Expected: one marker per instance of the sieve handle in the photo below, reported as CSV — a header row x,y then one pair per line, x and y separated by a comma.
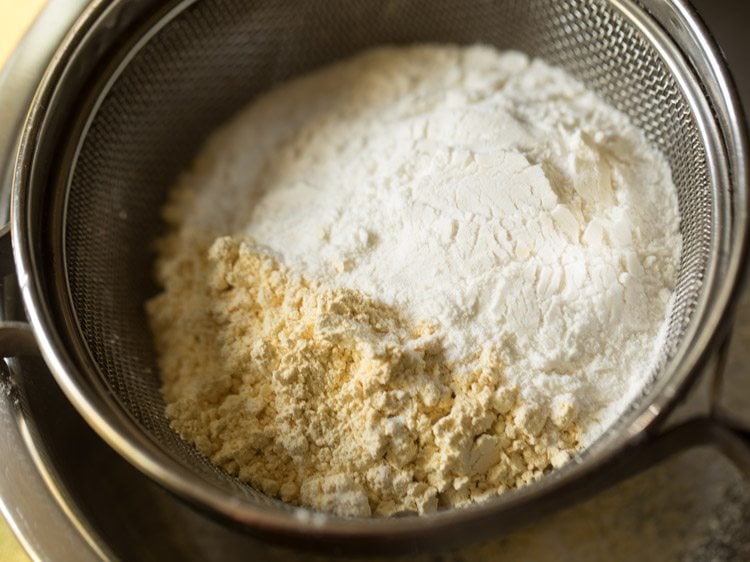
x,y
16,338
714,427
710,424
733,440
730,434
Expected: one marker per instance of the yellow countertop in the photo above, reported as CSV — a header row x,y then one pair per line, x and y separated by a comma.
x,y
15,17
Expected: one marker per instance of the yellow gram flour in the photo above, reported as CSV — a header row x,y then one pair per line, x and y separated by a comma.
x,y
329,399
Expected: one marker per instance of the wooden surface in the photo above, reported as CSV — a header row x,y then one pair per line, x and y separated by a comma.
x,y
15,17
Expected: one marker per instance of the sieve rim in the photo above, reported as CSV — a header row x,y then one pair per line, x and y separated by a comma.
x,y
124,437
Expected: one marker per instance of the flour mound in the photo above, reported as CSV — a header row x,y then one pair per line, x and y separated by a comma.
x,y
484,195
329,399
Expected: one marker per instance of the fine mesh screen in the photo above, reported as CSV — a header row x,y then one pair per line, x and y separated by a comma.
x,y
217,55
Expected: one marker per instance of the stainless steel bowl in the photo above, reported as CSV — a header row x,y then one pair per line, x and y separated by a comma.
x,y
134,88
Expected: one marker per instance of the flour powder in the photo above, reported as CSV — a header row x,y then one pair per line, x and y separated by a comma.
x,y
416,278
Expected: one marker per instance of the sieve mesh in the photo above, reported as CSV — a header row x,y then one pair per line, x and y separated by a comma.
x,y
216,55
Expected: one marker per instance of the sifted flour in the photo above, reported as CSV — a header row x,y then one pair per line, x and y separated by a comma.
x,y
518,236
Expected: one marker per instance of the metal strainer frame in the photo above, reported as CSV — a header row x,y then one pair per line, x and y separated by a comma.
x,y
85,67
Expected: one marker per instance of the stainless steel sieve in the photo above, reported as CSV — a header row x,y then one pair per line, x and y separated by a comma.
x,y
136,86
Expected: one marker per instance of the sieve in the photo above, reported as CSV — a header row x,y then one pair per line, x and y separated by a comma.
x,y
136,86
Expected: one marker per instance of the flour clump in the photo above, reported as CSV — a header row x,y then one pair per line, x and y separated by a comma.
x,y
413,279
